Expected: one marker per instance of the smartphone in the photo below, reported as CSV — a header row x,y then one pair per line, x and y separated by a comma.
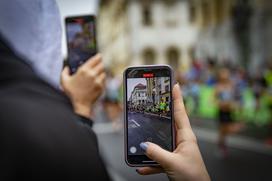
x,y
148,111
81,40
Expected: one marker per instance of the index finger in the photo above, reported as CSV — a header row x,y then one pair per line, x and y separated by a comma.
x,y
93,61
181,117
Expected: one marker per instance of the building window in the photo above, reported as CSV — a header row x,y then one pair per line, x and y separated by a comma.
x,y
170,2
192,9
147,15
219,10
171,19
173,57
149,56
206,12
167,88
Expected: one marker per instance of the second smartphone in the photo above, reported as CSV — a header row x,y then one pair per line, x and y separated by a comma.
x,y
81,39
148,111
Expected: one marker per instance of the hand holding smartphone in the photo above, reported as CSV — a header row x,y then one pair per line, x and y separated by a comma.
x,y
148,111
81,40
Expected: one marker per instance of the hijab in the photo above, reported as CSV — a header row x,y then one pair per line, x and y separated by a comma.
x,y
32,30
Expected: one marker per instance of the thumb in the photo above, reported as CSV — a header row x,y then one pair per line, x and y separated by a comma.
x,y
65,75
158,154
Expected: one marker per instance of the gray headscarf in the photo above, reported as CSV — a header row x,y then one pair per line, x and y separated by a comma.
x,y
32,29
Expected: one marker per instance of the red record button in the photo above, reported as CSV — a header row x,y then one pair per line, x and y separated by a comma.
x,y
148,75
79,20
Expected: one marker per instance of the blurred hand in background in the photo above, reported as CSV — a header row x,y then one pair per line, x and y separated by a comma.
x,y
85,86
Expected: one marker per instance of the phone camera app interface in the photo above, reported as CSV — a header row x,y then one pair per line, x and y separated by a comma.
x,y
81,41
148,111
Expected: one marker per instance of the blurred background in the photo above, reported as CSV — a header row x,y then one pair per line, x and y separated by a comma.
x,y
197,38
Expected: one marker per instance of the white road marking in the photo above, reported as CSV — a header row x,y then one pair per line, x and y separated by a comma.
x,y
137,124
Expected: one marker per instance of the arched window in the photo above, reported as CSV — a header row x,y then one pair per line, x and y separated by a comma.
x,y
173,57
149,56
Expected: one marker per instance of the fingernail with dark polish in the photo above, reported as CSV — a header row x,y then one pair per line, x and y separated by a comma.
x,y
143,146
137,171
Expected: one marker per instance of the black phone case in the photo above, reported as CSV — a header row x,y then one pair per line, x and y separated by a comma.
x,y
125,112
70,19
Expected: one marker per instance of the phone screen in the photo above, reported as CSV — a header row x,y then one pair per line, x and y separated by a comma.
x,y
148,110
81,40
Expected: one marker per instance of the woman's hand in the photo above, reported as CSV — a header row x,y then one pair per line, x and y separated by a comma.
x,y
185,163
85,86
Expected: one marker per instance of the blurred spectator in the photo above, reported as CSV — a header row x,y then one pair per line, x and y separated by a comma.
x,y
112,99
210,72
240,85
193,78
268,78
258,88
